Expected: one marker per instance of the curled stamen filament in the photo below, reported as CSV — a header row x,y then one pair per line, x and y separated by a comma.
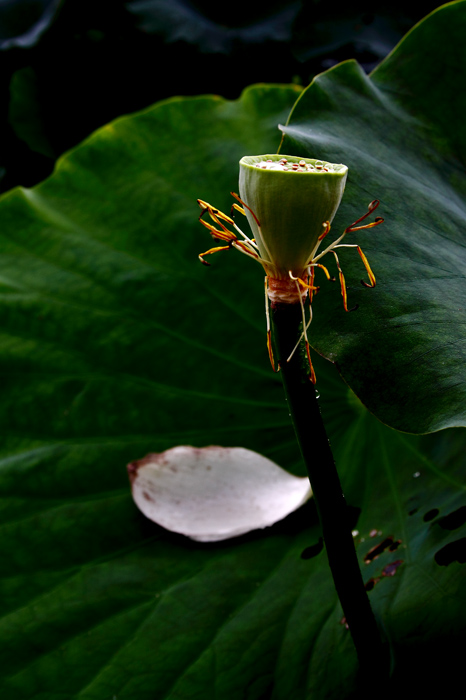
x,y
269,331
275,289
305,327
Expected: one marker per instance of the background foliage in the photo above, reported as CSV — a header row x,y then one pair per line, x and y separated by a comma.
x,y
115,342
70,66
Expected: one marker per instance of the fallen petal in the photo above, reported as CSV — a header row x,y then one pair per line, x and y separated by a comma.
x,y
214,493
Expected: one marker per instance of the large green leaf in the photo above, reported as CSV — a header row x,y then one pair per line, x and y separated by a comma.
x,y
114,343
401,133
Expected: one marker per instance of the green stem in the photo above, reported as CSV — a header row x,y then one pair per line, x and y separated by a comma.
x,y
327,491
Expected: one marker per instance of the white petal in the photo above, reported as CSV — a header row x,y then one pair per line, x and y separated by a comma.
x,y
214,493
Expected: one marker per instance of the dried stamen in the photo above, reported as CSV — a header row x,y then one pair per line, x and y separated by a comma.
x,y
294,288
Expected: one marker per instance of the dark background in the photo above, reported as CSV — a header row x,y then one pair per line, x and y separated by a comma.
x,y
70,66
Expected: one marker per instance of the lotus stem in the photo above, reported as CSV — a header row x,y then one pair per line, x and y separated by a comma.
x,y
327,490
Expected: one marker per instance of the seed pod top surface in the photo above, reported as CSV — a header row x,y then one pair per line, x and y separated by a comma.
x,y
291,199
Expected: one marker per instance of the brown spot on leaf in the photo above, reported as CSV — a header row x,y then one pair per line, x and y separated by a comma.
x,y
388,543
390,569
371,583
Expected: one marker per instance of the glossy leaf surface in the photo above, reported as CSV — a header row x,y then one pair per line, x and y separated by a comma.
x,y
401,133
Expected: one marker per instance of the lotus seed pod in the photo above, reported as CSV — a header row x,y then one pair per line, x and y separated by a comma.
x,y
291,199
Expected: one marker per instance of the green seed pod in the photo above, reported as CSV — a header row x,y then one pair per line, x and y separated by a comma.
x,y
291,199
